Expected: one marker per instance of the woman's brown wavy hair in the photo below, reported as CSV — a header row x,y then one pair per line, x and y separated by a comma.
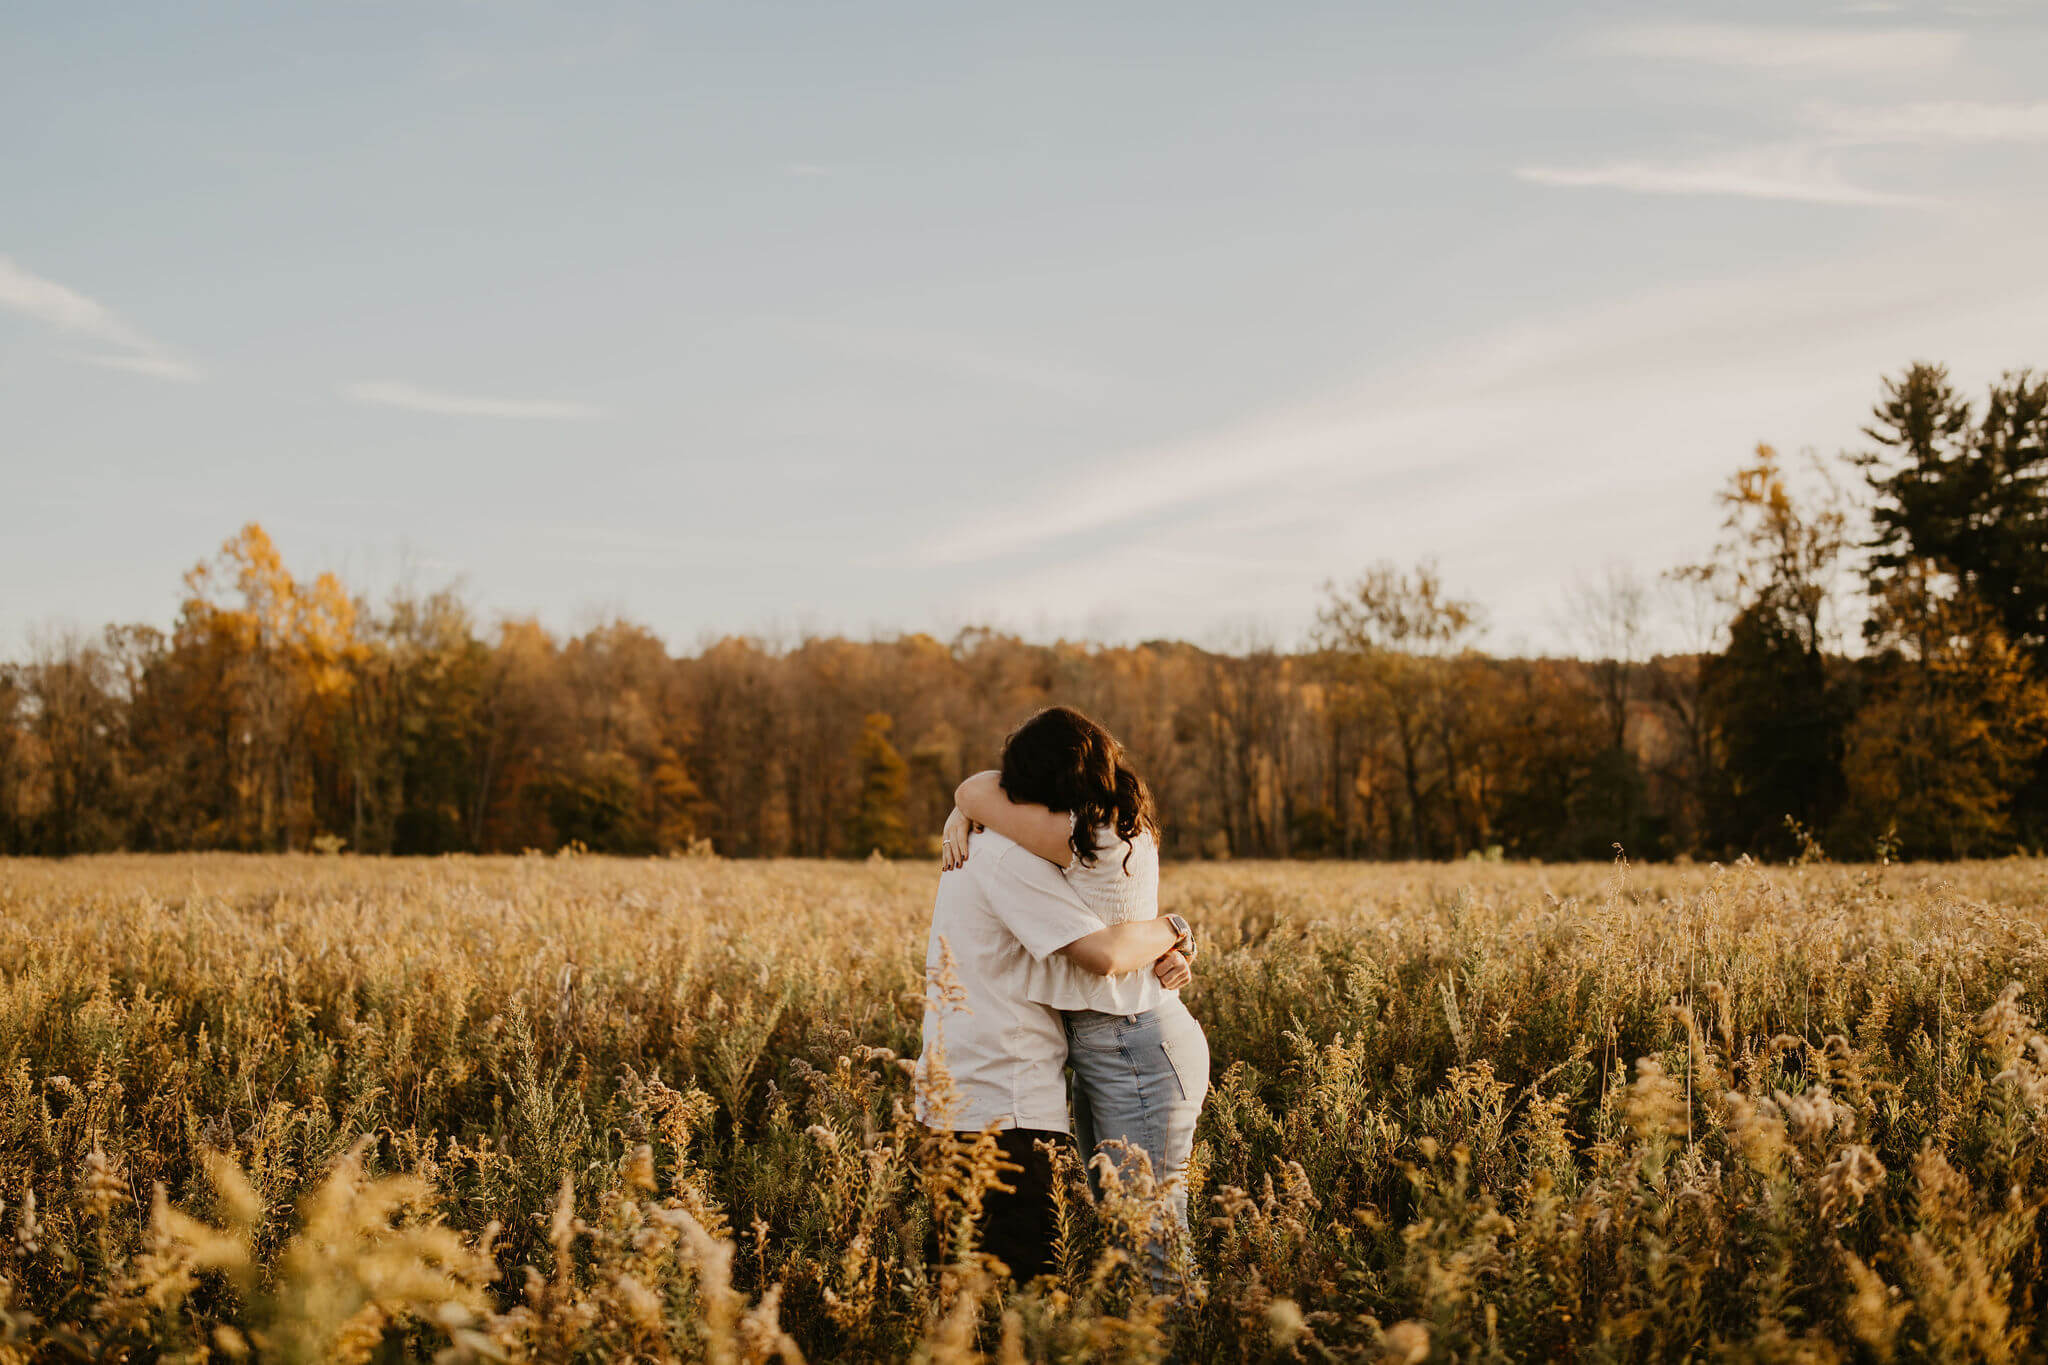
x,y
1062,760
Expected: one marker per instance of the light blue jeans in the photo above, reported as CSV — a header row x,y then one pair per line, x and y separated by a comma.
x,y
1141,1078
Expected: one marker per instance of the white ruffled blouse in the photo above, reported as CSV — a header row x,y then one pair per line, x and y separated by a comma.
x,y
1116,893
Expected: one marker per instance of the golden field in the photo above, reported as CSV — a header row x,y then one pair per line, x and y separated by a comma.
x,y
309,1109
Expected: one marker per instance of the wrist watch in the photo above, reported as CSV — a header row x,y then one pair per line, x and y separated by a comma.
x,y
1185,937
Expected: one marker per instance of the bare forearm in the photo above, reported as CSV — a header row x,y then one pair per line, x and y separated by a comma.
x,y
981,798
1129,947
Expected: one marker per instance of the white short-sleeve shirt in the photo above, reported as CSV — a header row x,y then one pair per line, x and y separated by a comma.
x,y
1000,913
1121,884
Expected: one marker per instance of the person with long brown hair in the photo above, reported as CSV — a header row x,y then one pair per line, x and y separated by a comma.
x,y
1141,1062
992,1059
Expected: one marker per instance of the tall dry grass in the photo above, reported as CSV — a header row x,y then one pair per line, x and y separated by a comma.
x,y
571,1109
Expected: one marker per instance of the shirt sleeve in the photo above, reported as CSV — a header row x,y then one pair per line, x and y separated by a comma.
x,y
1034,903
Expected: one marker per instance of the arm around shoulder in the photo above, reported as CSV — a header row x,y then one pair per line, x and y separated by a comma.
x,y
1047,833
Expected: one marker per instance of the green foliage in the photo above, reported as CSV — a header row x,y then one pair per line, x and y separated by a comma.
x,y
1778,709
1966,489
1960,519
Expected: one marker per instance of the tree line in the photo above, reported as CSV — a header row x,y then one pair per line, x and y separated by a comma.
x,y
283,714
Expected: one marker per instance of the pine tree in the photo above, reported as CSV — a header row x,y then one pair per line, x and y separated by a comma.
x,y
1954,717
1965,492
877,825
1968,491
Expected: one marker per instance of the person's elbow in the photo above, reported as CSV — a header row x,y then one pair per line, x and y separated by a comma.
x,y
1091,955
965,793
973,795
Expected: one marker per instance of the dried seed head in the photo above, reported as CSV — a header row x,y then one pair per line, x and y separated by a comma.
x,y
1406,1343
1844,1182
640,1169
101,1187
1285,1322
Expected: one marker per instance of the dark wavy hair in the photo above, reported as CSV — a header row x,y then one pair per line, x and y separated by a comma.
x,y
1064,761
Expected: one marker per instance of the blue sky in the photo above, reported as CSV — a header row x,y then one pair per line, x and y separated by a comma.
x,y
1120,321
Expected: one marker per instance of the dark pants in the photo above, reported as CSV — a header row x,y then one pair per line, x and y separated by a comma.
x,y
1018,1228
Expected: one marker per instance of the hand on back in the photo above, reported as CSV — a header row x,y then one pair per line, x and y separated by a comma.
x,y
953,840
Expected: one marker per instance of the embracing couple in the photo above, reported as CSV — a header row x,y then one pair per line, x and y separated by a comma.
x,y
1048,909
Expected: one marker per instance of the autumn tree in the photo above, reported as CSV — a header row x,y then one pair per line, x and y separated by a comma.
x,y
524,725
1609,618
414,715
735,691
1549,766
76,733
266,662
620,780
1676,746
281,713
1774,703
1953,717
824,734
877,821
1398,635
1247,699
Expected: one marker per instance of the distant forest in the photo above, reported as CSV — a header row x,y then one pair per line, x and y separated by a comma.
x,y
281,714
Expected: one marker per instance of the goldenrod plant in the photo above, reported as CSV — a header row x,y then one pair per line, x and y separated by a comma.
x,y
577,1109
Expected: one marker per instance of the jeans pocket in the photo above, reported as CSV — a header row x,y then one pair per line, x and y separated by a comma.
x,y
1189,1088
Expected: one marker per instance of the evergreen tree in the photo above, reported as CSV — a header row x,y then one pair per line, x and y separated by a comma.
x,y
1777,713
1954,717
877,822
1968,492
1967,495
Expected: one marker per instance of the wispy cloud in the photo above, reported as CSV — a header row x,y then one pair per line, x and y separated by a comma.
x,y
941,353
1799,172
75,315
157,366
1409,461
1756,47
395,393
1943,121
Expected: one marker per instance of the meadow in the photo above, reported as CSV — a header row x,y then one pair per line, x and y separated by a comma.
x,y
548,1109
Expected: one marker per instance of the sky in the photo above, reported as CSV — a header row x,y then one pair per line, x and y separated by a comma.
x,y
1118,322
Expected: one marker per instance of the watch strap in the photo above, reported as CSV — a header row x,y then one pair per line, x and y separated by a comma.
x,y
1184,937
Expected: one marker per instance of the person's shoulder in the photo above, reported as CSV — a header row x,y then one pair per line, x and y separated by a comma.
x,y
989,839
1108,842
990,849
